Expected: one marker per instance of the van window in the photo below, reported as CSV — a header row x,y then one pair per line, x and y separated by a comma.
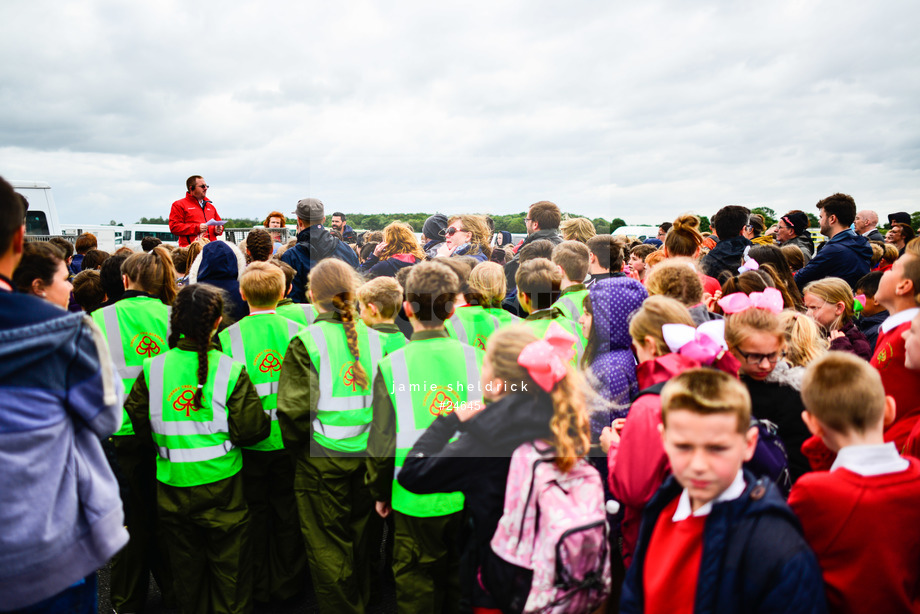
x,y
36,223
127,235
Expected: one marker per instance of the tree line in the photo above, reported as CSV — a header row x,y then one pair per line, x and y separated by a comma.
x,y
513,222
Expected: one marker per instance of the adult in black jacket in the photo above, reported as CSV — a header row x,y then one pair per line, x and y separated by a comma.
x,y
728,253
542,222
314,243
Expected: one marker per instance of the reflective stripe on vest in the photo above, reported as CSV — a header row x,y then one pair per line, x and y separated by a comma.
x,y
338,434
406,436
146,313
326,401
264,339
200,451
458,325
116,346
571,309
236,340
413,418
266,388
459,329
218,422
308,312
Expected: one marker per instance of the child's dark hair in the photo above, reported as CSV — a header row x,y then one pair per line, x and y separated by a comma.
x,y
148,243
64,245
94,259
194,313
154,272
868,284
40,260
88,291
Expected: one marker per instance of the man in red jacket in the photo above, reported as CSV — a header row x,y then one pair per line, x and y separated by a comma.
x,y
189,216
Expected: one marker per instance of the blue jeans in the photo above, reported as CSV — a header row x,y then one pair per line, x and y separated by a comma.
x,y
79,598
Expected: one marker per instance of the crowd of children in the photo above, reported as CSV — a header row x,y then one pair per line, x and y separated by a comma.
x,y
615,434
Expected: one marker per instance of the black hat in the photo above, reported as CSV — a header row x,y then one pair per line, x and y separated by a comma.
x,y
901,216
798,221
435,226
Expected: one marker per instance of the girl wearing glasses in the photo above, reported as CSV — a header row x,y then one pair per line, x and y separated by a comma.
x,y
756,337
467,235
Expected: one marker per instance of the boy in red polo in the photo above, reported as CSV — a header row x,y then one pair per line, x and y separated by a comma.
x,y
897,292
862,517
714,538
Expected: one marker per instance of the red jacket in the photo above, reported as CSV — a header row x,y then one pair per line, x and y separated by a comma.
x,y
637,464
186,217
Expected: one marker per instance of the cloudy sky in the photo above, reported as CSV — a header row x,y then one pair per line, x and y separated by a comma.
x,y
638,110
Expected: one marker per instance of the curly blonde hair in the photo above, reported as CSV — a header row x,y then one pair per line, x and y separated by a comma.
x,y
570,424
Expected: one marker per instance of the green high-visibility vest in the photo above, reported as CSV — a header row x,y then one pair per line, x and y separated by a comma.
x,y
259,341
572,305
504,316
136,328
393,341
193,444
540,326
472,325
302,313
343,410
428,378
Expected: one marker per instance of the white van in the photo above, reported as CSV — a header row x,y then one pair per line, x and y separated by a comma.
x,y
108,238
637,232
133,234
41,218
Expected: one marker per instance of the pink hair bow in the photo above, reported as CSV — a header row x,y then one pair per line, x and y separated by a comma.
x,y
770,299
703,344
749,265
546,359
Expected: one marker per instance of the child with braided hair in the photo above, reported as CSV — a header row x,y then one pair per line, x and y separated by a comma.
x,y
324,411
198,407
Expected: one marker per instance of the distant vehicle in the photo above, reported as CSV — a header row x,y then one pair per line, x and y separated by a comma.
x,y
135,233
108,238
42,218
637,232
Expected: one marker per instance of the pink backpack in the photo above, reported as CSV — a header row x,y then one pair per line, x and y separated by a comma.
x,y
553,532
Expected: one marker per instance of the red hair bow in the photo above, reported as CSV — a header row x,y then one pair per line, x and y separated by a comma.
x,y
546,359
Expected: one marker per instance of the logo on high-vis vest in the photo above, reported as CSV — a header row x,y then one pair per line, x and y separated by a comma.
x,y
347,373
441,400
147,344
183,399
480,342
267,361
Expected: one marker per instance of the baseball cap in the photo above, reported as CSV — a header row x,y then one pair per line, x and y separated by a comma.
x,y
311,210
